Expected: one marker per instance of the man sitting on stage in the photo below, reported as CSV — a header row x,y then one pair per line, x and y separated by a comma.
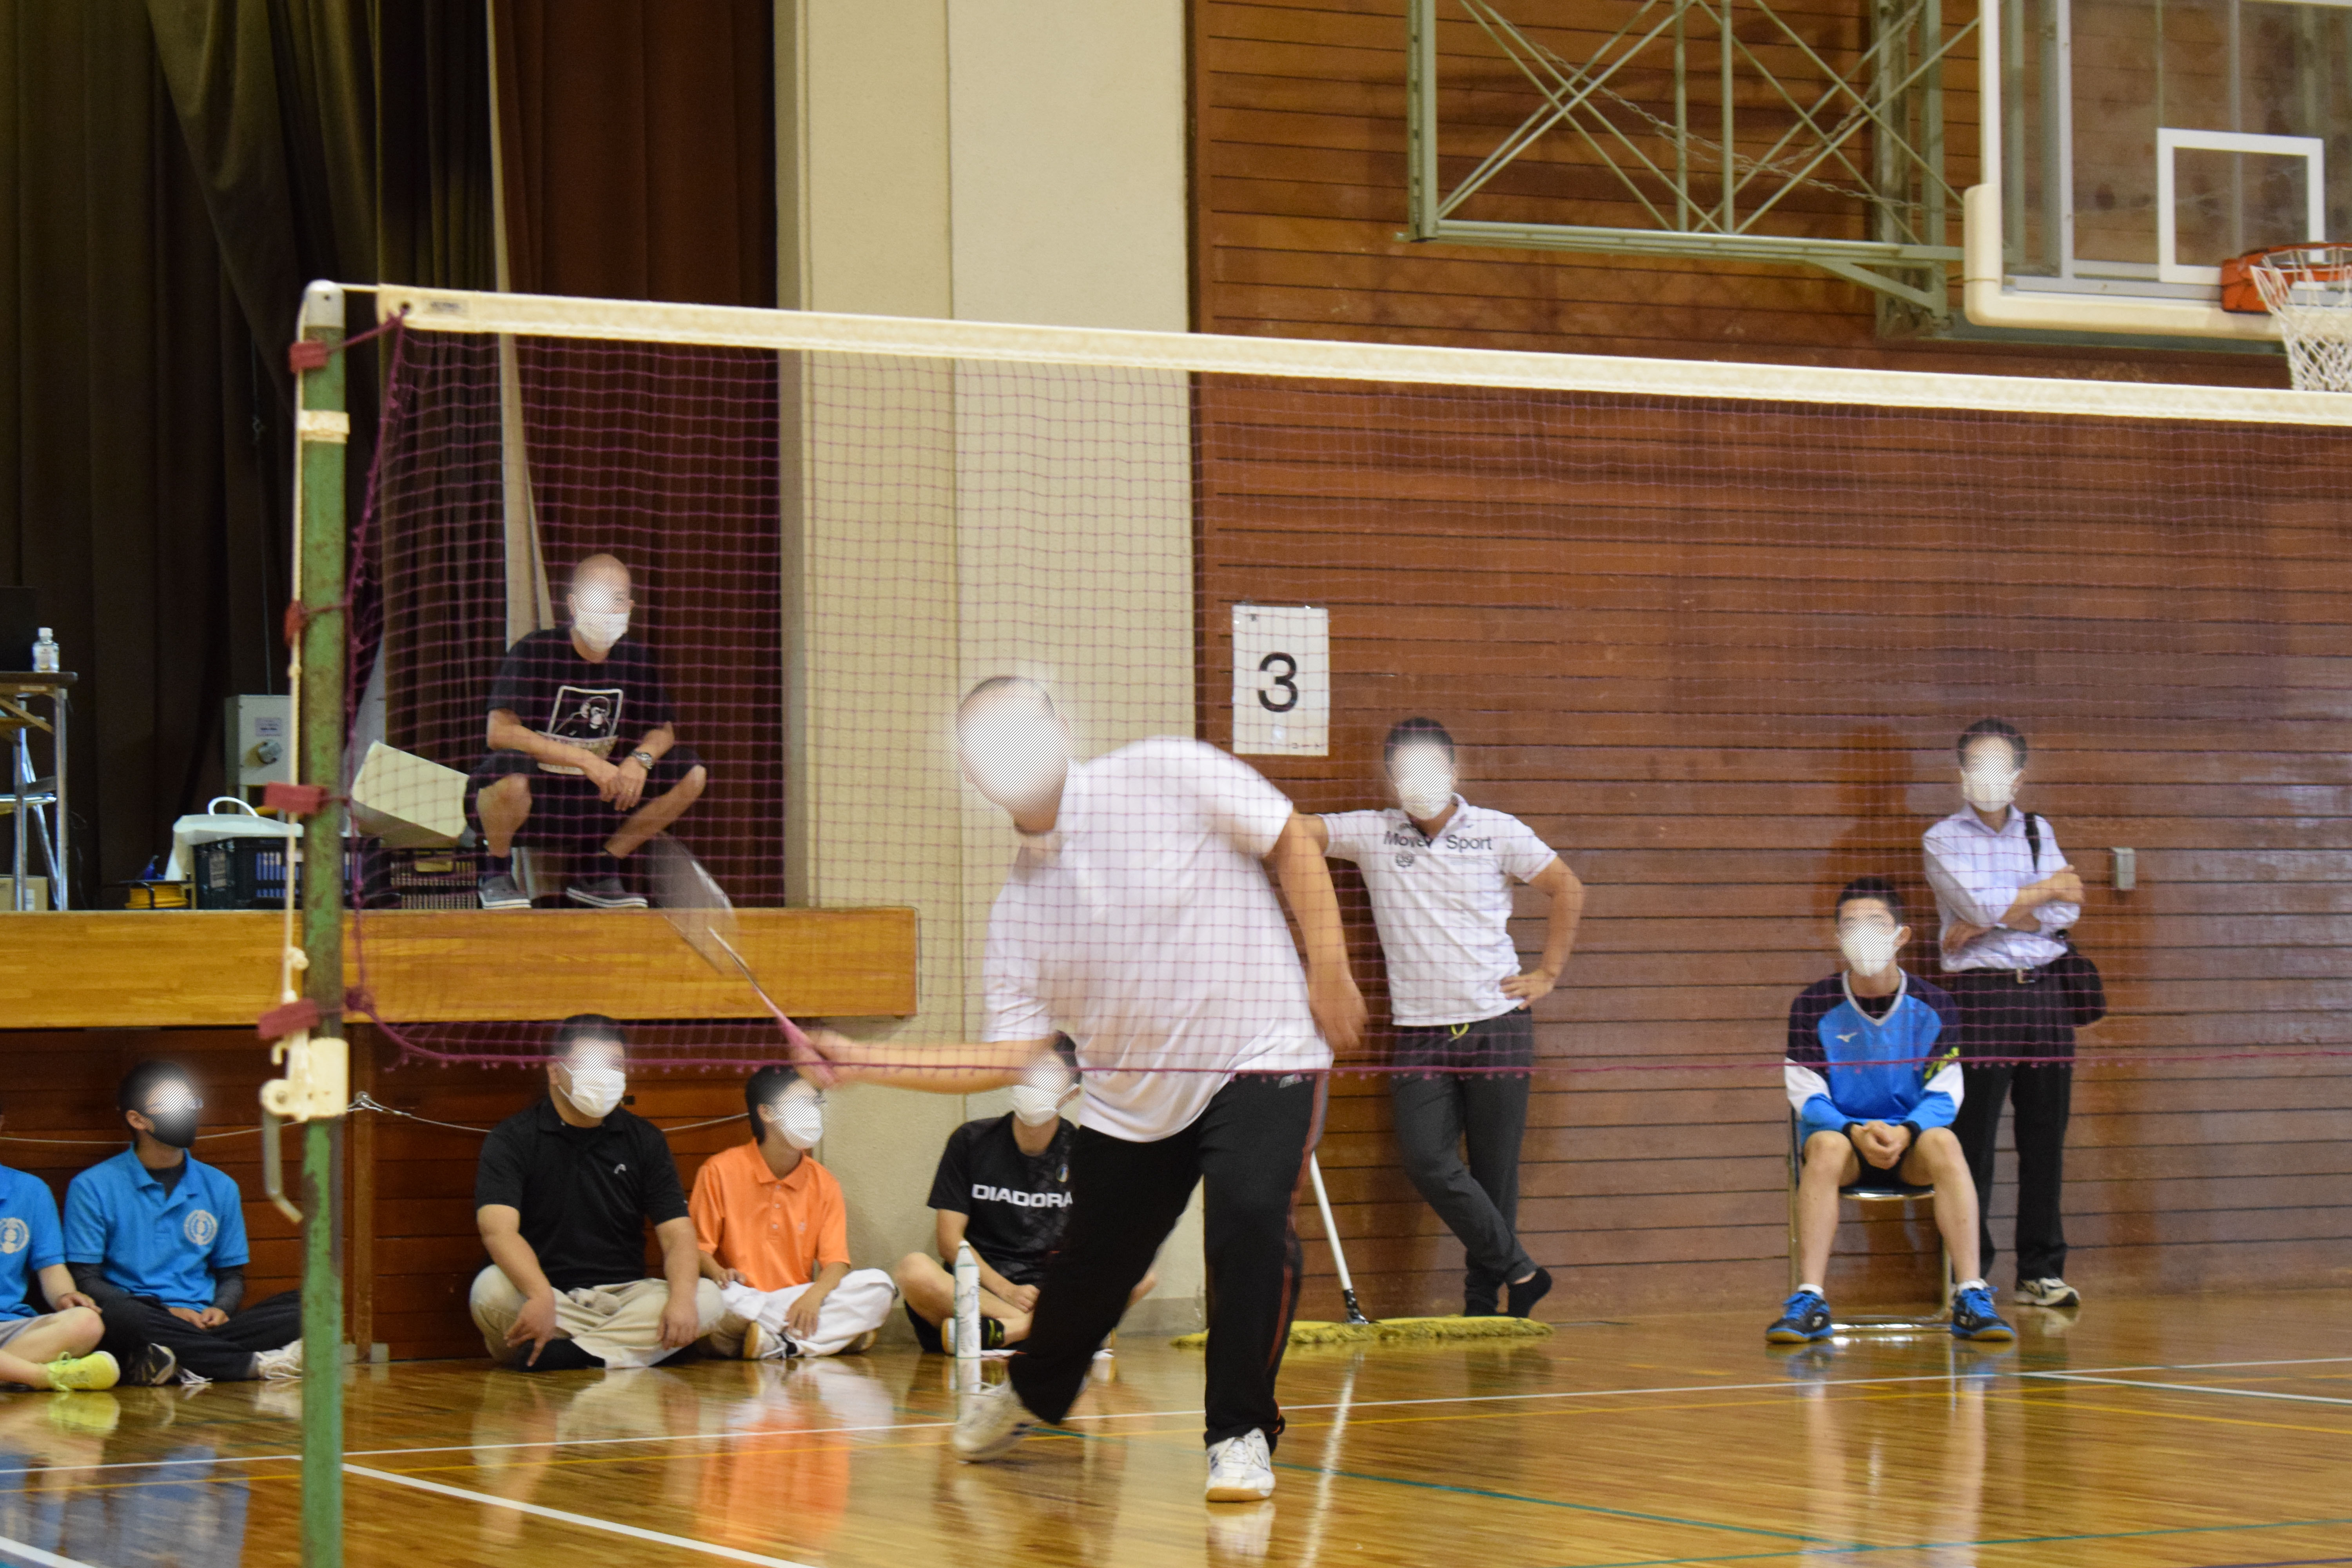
x,y
1004,1185
156,1237
774,1233
562,1197
1874,1073
563,703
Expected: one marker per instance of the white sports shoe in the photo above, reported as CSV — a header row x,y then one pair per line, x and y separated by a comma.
x,y
1241,1469
992,1421
2052,1291
283,1362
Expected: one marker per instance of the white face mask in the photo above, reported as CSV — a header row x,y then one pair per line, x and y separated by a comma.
x,y
1017,759
596,1090
1423,776
599,629
1868,948
1037,1099
799,1120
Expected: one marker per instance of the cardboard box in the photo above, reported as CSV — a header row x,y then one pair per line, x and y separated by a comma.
x,y
407,802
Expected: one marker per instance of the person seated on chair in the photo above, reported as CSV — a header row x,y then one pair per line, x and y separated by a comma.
x,y
1874,1073
774,1233
564,704
52,1349
1004,1185
156,1238
562,1197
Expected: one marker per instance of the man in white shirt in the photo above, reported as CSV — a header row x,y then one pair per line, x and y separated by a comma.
x,y
2007,897
1439,871
1138,920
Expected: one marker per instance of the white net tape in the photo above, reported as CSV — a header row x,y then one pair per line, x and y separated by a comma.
x,y
2309,289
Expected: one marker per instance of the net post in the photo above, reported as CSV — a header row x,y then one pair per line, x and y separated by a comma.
x,y
322,427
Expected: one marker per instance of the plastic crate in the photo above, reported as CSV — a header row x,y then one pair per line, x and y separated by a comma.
x,y
240,874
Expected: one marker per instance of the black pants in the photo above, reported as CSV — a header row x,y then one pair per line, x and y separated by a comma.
x,y
1441,1114
1250,1146
2000,1018
224,1354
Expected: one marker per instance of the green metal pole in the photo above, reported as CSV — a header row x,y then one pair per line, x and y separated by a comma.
x,y
322,427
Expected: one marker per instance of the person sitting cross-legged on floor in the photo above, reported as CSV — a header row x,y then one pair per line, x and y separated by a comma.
x,y
156,1237
59,1348
1004,1185
1874,1072
774,1233
562,1197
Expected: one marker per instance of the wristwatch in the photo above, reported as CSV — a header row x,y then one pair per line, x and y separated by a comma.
x,y
642,758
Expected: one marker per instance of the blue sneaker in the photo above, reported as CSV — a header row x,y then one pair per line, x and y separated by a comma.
x,y
1974,1319
1804,1316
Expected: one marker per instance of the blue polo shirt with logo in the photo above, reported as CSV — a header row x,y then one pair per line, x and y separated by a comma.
x,y
151,1244
29,1241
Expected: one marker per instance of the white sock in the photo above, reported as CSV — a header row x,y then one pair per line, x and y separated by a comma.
x,y
1816,1291
1969,1285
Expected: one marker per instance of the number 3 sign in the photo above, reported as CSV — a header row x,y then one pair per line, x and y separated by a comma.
x,y
1282,681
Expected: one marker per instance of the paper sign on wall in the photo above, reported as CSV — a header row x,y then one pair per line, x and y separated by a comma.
x,y
1282,681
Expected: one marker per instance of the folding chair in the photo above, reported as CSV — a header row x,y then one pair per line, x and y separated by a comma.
x,y
1866,1199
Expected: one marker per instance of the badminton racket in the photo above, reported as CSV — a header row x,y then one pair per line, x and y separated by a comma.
x,y
699,910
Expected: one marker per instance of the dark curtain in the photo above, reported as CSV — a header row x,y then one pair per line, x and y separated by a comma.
x,y
640,148
172,174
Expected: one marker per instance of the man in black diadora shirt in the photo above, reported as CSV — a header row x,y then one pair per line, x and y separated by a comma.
x,y
562,1197
580,732
1004,1185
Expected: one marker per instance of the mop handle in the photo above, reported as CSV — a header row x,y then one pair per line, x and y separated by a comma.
x,y
1330,1231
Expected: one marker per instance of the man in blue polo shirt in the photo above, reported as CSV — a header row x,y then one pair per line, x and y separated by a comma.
x,y
59,1348
156,1237
1874,1073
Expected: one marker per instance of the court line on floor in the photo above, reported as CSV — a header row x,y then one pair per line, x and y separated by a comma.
x,y
36,1556
1863,1549
1954,1376
562,1516
1807,1542
2190,1387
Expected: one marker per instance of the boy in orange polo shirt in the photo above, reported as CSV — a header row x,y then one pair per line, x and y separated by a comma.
x,y
774,1235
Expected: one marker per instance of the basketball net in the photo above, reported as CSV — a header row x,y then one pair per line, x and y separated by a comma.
x,y
2308,287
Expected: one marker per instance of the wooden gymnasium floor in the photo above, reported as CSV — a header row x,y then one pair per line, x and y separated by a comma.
x,y
2191,1432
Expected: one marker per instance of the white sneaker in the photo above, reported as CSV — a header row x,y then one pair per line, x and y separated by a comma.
x,y
286,1362
992,1421
1241,1469
2052,1291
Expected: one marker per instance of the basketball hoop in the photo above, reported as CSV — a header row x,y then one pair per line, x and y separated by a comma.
x,y
2309,289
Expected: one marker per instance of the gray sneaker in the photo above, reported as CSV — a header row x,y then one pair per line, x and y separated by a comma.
x,y
606,893
992,1421
500,893
2052,1291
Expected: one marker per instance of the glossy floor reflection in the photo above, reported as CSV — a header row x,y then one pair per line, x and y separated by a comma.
x,y
2202,1432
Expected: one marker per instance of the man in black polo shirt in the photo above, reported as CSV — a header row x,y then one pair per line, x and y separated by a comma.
x,y
563,1196
584,747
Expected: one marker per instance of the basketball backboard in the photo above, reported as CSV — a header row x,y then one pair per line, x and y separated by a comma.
x,y
2132,147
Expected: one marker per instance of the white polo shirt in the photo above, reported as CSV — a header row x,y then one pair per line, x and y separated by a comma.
x,y
1144,927
1443,905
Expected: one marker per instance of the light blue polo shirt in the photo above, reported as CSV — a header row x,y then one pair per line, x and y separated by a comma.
x,y
29,1241
151,1244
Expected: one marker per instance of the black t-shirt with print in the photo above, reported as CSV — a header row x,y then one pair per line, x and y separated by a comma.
x,y
1017,1203
604,708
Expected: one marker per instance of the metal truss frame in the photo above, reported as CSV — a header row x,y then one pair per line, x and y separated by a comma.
x,y
1874,134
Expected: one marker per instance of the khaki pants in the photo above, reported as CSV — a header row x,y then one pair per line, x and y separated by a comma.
x,y
620,1325
858,1304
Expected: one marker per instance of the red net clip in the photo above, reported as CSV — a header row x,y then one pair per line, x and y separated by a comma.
x,y
295,800
306,355
288,1019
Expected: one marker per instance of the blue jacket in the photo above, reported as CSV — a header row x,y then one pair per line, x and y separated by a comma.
x,y
1845,1066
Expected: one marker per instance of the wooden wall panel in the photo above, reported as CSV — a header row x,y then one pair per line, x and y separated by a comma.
x,y
1299,181
1716,657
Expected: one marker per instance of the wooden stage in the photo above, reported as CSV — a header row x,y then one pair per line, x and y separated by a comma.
x,y
2184,1432
187,969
